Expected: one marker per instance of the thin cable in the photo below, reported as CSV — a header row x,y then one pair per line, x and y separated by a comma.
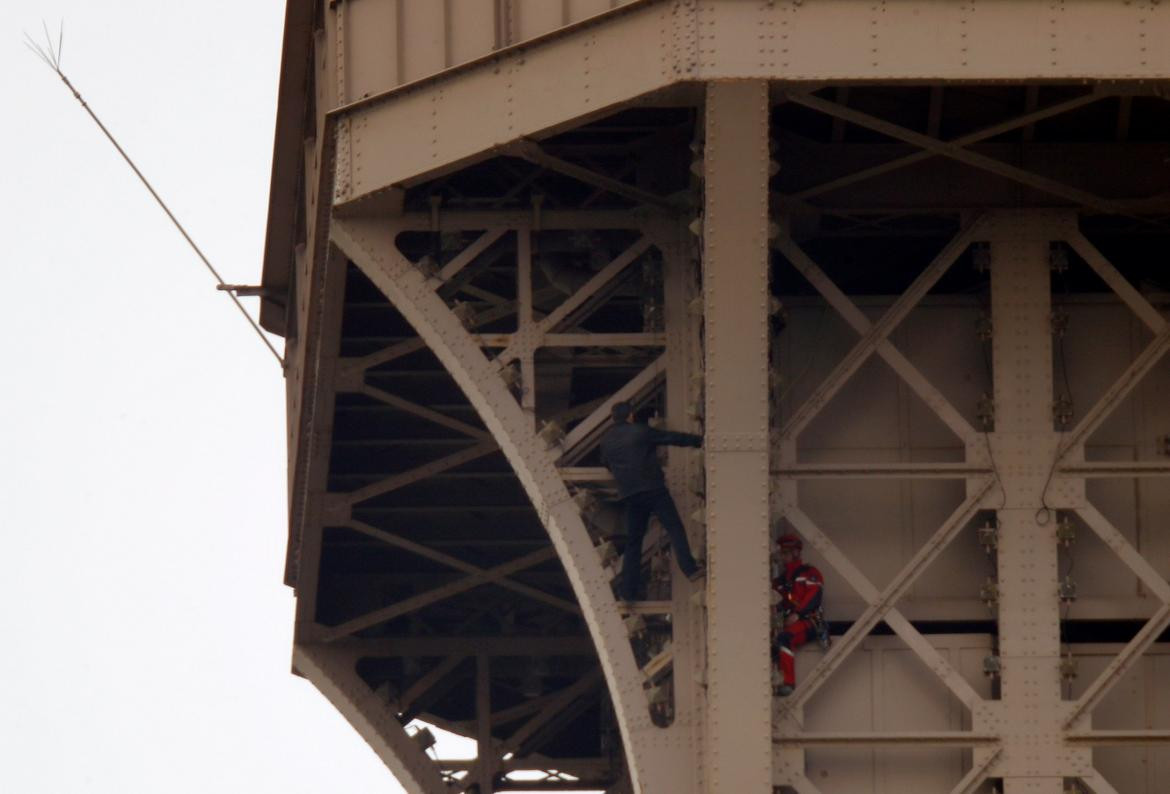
x,y
52,58
1044,512
985,344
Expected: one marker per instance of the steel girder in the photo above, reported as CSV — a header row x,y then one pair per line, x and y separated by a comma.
x,y
1022,242
360,131
593,66
331,670
737,306
370,244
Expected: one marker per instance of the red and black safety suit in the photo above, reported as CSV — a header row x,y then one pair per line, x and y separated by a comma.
x,y
801,590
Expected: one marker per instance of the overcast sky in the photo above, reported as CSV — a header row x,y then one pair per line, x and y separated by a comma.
x,y
146,632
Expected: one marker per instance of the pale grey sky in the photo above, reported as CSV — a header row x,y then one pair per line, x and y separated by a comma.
x,y
146,632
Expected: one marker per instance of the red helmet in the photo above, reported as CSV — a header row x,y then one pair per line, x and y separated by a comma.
x,y
790,542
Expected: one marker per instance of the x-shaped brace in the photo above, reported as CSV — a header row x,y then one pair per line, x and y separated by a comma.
x,y
1149,632
956,151
476,576
958,143
881,603
875,336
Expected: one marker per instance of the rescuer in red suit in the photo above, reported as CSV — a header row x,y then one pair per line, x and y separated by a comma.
x,y
801,589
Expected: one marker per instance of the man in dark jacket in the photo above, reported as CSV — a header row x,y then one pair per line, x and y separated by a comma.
x,y
628,450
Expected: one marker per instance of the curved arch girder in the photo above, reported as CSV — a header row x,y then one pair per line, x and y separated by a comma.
x,y
332,671
369,243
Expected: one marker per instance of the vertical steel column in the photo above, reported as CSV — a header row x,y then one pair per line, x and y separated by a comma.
x,y
735,296
680,286
486,757
1025,444
524,321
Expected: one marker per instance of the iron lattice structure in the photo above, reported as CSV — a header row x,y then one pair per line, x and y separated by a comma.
x,y
898,262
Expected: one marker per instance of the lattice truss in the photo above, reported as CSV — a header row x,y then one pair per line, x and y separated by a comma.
x,y
530,292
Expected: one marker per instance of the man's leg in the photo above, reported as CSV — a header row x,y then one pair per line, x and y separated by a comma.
x,y
637,516
789,640
668,514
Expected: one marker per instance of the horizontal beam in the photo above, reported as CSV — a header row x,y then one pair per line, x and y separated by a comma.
x,y
904,471
580,340
452,220
1119,738
1101,469
493,645
422,550
413,603
892,739
590,68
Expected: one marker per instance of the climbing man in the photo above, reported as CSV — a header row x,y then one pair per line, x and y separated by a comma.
x,y
801,588
628,450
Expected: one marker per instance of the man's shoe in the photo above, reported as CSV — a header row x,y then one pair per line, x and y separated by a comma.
x,y
784,690
698,573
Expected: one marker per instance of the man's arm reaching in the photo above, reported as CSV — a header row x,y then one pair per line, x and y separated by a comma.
x,y
669,438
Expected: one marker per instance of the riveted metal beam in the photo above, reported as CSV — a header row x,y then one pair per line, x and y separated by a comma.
x,y
531,337
978,772
1098,784
332,671
880,344
889,739
878,333
1027,565
1150,317
1120,664
736,311
433,596
898,40
1078,197
312,387
586,433
881,471
1057,109
370,243
882,603
487,574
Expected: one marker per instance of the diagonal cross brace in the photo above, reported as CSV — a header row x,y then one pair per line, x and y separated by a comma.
x,y
422,412
1097,784
879,331
1148,634
1125,550
1146,312
1125,383
963,141
881,603
862,325
533,153
468,254
978,773
577,442
408,346
369,243
454,562
556,704
419,473
955,152
416,602
561,315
